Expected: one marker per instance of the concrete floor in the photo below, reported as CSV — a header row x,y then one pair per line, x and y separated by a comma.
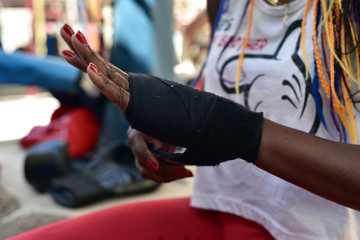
x,y
18,116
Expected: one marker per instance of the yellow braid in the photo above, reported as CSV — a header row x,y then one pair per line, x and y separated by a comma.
x,y
357,56
327,13
303,37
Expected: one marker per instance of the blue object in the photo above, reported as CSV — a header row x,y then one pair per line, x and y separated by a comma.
x,y
52,73
133,40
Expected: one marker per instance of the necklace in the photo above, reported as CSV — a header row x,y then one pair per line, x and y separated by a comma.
x,y
273,2
286,16
278,2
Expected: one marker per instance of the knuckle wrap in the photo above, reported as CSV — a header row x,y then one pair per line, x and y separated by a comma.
x,y
211,128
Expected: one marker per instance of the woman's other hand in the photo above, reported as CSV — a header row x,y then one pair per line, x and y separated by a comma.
x,y
149,165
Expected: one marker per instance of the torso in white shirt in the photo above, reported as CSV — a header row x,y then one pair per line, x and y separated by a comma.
x,y
273,82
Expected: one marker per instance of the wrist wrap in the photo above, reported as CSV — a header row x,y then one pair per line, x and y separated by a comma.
x,y
211,128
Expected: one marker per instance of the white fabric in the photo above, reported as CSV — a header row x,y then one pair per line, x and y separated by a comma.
x,y
273,84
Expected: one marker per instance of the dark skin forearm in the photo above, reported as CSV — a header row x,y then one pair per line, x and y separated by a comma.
x,y
326,168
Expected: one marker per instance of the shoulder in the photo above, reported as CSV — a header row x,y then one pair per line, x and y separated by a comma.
x,y
212,9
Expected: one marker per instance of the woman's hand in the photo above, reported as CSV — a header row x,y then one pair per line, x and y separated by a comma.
x,y
148,164
172,112
110,80
113,83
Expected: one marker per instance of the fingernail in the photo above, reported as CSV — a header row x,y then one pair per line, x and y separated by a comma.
x,y
182,173
94,68
169,148
68,53
151,164
81,37
68,30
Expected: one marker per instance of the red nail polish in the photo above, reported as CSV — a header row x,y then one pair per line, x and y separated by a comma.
x,y
151,164
68,30
182,173
68,53
94,68
81,37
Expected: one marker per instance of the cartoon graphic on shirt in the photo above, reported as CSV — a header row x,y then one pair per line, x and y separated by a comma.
x,y
290,94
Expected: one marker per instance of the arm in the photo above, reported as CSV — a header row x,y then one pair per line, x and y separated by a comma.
x,y
114,84
326,168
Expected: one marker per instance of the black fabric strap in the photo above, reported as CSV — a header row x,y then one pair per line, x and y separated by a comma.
x,y
211,128
75,189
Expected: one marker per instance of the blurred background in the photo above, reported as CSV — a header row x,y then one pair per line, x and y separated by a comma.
x,y
33,26
178,34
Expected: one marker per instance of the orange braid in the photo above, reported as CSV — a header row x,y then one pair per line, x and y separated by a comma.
x,y
341,110
318,61
246,40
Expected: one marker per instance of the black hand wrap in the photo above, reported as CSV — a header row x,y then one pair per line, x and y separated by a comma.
x,y
211,128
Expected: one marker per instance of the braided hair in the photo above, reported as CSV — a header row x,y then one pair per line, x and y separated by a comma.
x,y
336,40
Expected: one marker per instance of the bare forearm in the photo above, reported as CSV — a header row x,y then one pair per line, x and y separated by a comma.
x,y
326,168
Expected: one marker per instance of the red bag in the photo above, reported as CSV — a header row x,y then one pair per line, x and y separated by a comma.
x,y
79,127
